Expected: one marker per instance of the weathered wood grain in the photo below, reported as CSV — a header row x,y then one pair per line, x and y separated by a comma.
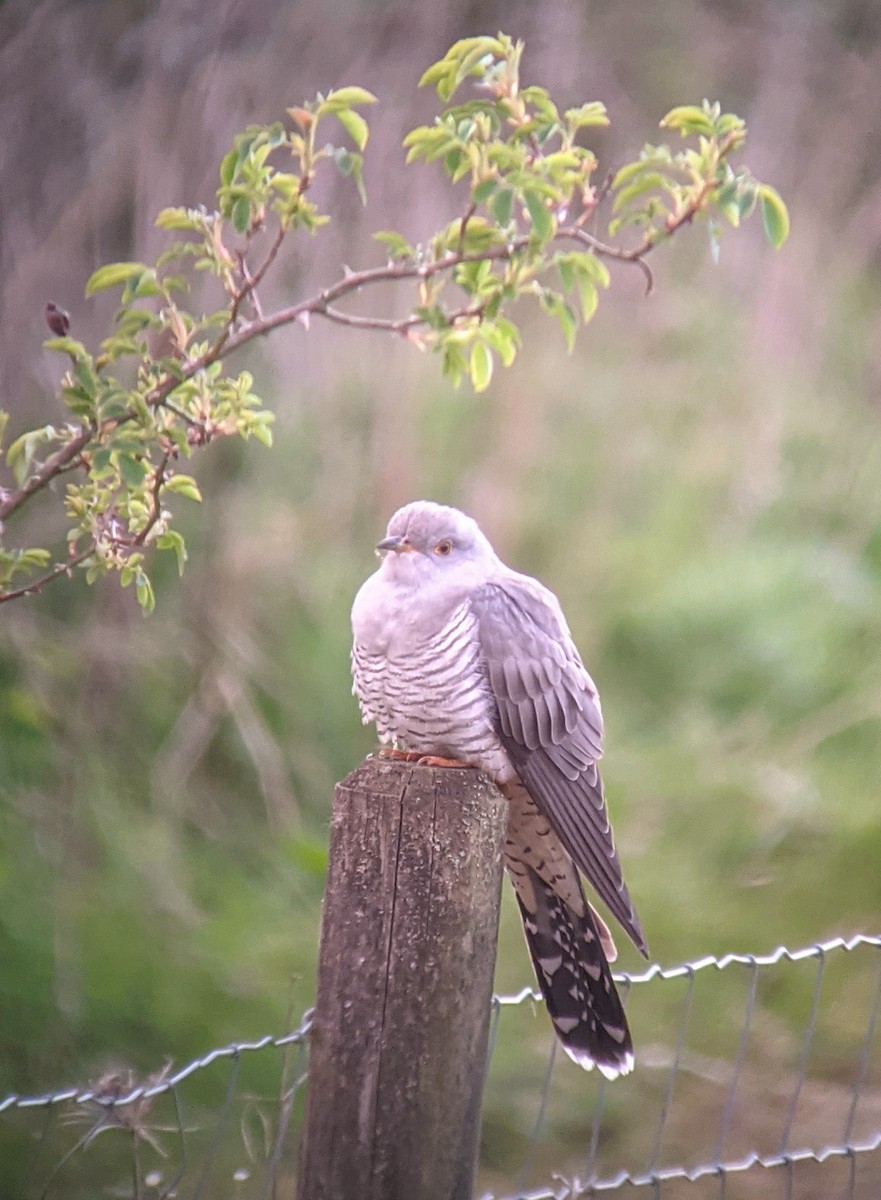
x,y
408,945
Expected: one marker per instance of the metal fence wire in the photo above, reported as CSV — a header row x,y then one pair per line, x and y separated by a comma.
x,y
757,1075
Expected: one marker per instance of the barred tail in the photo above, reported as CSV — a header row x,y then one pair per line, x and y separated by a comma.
x,y
575,980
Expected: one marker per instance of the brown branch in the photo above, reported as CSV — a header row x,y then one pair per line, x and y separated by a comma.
x,y
322,305
384,324
250,283
179,412
155,501
634,258
60,569
400,326
249,280
469,213
54,465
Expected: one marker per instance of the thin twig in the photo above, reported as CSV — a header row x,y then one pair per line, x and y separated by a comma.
x,y
53,466
37,585
635,257
249,279
469,213
381,323
184,416
155,501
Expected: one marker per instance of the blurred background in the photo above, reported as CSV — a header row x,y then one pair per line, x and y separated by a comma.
x,y
699,482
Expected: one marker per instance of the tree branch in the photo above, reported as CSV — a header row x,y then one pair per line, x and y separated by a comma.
x,y
54,465
155,500
60,569
319,305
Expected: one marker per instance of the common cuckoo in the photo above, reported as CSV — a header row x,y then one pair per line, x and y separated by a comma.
x,y
457,657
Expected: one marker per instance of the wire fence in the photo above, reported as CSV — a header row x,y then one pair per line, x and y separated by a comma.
x,y
754,1072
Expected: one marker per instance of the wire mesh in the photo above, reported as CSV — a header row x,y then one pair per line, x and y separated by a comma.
x,y
757,1075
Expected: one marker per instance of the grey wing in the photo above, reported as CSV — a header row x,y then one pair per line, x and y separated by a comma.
x,y
550,724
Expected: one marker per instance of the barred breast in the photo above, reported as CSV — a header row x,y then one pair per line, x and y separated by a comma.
x,y
429,694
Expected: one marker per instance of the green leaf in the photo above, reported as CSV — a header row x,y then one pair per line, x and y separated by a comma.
x,y
260,429
775,215
454,364
455,163
568,323
436,72
628,171
241,214
139,286
481,366
23,450
567,271
596,269
228,167
468,56
101,462
144,592
556,306
177,218
483,191
688,118
593,113
542,221
184,485
355,126
66,345
395,243
133,320
544,106
503,337
501,205
349,97
345,160
479,235
172,540
112,275
648,181
86,377
589,297
746,201
132,470
350,163
427,141
730,123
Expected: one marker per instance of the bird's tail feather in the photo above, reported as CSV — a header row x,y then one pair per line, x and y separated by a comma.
x,y
576,982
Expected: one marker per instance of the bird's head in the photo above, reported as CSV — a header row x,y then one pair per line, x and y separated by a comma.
x,y
427,542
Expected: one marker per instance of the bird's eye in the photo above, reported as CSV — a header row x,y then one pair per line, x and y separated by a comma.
x,y
442,549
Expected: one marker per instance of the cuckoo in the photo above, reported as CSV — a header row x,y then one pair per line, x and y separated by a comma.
x,y
460,660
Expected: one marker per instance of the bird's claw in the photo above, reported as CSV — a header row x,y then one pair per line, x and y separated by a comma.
x,y
421,760
400,755
436,760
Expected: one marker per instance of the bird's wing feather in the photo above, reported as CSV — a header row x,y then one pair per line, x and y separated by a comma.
x,y
550,723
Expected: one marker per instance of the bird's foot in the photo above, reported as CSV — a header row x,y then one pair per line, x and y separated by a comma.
x,y
412,756
420,759
435,760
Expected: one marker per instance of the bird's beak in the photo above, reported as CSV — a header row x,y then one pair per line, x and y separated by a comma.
x,y
398,544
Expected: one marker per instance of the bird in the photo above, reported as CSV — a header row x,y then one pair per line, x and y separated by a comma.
x,y
461,661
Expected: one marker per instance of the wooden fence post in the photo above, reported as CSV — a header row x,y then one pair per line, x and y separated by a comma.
x,y
408,945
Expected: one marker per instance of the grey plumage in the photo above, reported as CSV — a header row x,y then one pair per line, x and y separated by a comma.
x,y
457,655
